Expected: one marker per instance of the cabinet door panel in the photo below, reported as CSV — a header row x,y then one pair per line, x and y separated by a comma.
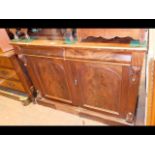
x,y
50,77
100,85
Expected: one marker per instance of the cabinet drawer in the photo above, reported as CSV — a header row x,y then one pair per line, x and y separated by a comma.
x,y
8,74
45,52
12,84
5,62
99,55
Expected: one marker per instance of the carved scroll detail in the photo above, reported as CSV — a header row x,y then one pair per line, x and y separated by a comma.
x,y
134,74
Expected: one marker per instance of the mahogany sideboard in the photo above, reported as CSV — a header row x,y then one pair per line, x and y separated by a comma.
x,y
99,81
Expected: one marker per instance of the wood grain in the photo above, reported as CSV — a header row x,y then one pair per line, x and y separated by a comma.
x,y
51,78
5,62
151,95
12,84
137,34
8,74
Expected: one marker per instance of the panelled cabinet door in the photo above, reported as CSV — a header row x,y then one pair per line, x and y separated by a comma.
x,y
103,87
49,77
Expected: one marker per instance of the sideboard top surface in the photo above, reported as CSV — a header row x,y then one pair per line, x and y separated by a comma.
x,y
7,54
58,43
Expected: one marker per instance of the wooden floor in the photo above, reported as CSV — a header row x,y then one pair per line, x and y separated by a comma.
x,y
12,112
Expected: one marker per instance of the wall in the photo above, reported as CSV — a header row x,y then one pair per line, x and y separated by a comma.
x,y
152,42
151,55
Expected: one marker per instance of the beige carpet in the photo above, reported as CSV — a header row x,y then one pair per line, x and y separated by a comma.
x,y
12,112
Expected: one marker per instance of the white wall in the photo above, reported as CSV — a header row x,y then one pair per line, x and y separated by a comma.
x,y
152,42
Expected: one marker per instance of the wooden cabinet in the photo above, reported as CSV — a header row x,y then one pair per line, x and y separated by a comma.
x,y
14,81
96,81
12,75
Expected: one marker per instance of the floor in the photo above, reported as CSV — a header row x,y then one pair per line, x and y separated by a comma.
x,y
13,112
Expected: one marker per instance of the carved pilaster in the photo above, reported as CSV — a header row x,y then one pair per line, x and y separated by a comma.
x,y
133,87
21,57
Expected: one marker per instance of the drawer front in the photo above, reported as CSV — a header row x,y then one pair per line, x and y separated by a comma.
x,y
12,84
8,74
99,55
44,51
5,62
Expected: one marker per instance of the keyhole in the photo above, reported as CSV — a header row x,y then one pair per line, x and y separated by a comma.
x,y
75,82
